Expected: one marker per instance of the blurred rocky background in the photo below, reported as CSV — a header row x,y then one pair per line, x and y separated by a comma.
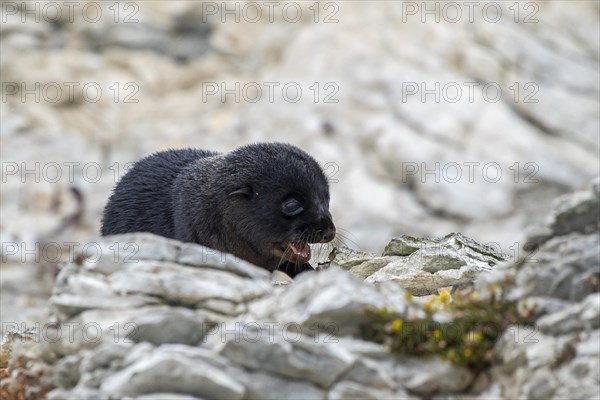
x,y
429,117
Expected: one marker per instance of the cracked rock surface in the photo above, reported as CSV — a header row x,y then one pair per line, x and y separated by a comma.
x,y
302,339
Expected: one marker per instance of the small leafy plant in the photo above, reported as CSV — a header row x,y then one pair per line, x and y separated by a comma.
x,y
462,328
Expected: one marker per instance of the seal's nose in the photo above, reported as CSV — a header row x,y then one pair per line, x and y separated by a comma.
x,y
327,231
328,235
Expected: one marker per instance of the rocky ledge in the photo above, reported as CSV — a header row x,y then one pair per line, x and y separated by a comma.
x,y
150,318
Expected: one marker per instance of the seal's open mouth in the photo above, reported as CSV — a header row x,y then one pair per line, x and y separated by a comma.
x,y
294,252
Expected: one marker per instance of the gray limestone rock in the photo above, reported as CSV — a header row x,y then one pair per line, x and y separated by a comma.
x,y
67,371
265,385
576,317
578,212
370,372
331,300
348,390
187,328
175,369
421,265
166,396
564,267
426,377
286,354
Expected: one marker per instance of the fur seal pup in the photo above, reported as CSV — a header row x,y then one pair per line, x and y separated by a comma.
x,y
263,202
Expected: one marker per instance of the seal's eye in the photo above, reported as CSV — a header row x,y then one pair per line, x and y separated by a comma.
x,y
291,207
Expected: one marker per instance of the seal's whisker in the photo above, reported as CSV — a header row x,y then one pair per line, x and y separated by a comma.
x,y
346,235
344,239
283,256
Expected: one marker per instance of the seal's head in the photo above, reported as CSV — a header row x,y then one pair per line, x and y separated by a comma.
x,y
278,203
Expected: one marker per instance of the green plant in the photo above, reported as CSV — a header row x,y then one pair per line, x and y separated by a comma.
x,y
462,328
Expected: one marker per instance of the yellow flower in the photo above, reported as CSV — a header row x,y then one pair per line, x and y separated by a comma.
x,y
428,306
444,295
467,352
473,337
397,324
437,333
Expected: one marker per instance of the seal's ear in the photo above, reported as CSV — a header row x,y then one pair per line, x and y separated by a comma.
x,y
245,192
